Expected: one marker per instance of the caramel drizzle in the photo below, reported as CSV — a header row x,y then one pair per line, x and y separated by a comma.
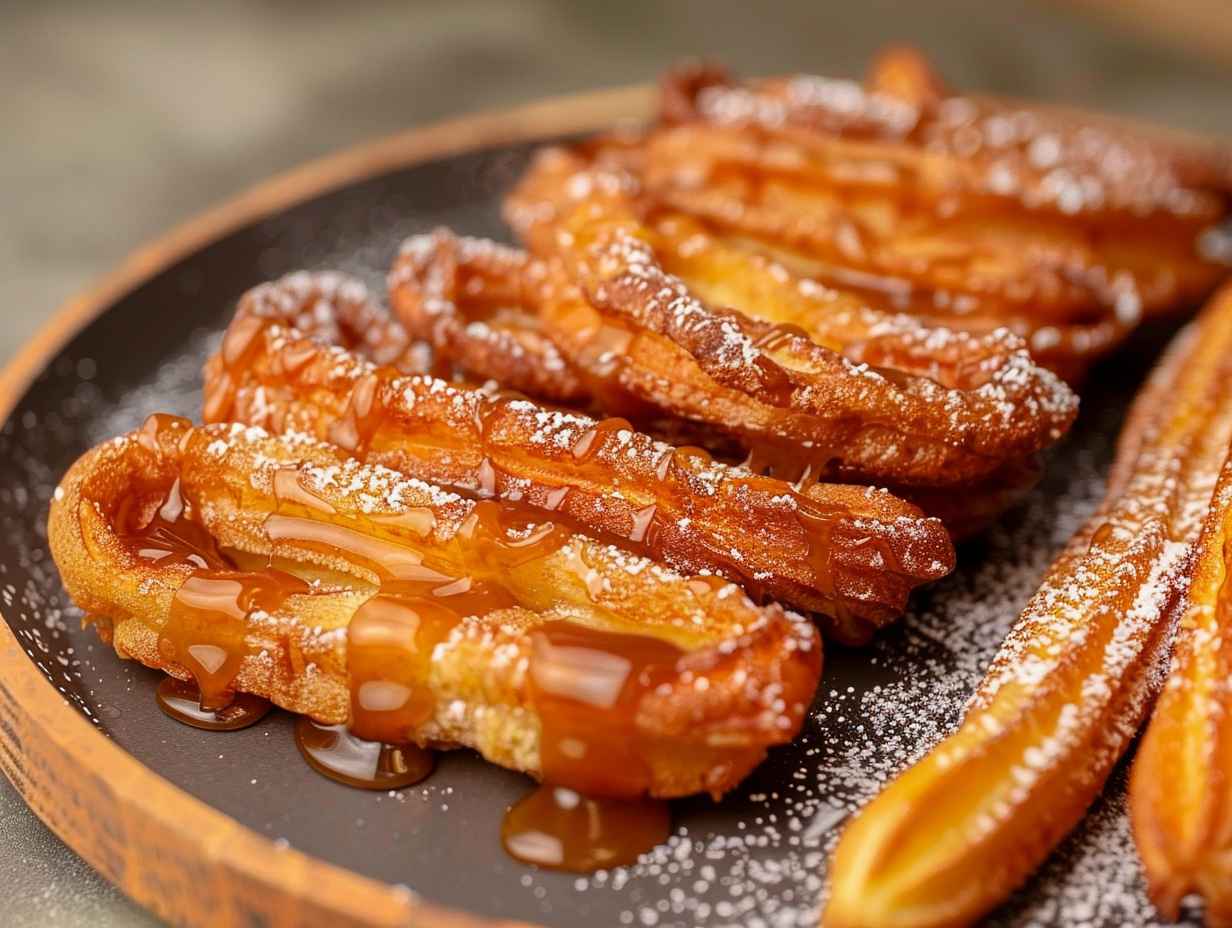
x,y
367,408
587,685
421,596
207,629
208,622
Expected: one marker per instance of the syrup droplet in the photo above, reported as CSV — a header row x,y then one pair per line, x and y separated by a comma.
x,y
486,476
355,429
594,438
334,752
389,656
181,700
288,488
206,630
297,355
555,498
156,425
587,686
557,828
170,537
664,463
643,525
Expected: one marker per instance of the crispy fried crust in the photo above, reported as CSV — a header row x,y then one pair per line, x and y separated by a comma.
x,y
911,431
853,554
955,833
924,400
761,664
1180,800
973,273
1064,226
639,332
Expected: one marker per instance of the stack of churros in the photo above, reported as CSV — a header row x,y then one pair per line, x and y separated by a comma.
x,y
568,503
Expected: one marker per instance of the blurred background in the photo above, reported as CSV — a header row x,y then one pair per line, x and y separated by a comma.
x,y
122,119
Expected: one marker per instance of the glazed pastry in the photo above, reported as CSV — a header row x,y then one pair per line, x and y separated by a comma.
x,y
1180,799
281,567
851,553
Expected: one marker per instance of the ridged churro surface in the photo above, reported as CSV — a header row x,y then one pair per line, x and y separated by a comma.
x,y
851,553
163,535
957,831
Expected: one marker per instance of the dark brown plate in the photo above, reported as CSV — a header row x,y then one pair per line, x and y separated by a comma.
x,y
234,829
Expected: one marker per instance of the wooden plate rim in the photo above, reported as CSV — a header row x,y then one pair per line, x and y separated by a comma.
x,y
172,853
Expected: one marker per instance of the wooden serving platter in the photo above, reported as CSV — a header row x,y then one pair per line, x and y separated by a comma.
x,y
232,829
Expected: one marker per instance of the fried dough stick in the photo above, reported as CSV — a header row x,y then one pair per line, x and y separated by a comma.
x,y
561,184
1180,794
853,554
147,531
955,833
981,271
1066,226
639,332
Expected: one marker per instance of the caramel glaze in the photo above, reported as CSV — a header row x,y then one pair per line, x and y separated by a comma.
x,y
206,633
372,424
586,685
207,628
364,415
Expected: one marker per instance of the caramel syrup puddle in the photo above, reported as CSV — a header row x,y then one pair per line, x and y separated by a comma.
x,y
181,700
558,829
338,753
590,812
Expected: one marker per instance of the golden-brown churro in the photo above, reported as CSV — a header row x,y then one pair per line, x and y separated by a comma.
x,y
640,338
851,553
955,833
1065,226
1180,792
281,567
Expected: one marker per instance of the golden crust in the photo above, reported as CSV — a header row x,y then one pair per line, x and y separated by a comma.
x,y
954,834
761,664
852,553
906,404
1180,801
909,406
968,210
1126,169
